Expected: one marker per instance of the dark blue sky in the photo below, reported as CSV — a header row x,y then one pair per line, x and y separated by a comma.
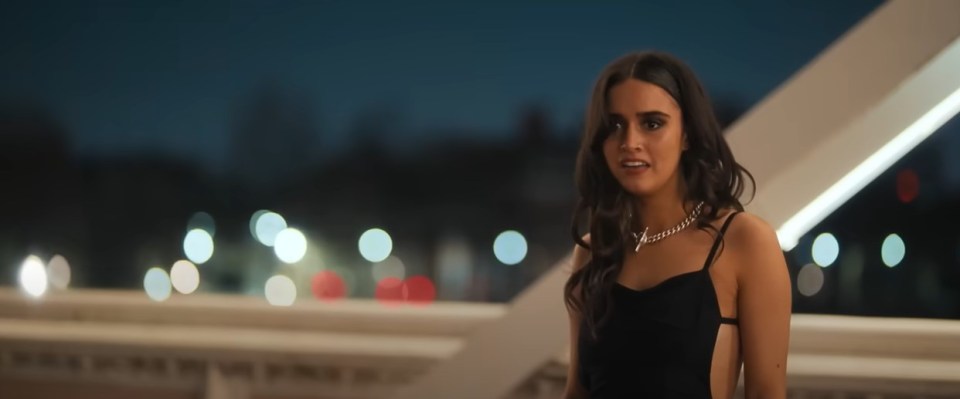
x,y
165,75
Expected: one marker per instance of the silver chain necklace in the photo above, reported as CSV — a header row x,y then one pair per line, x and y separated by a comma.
x,y
644,239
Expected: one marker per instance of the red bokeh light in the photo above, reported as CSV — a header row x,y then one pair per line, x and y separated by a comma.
x,y
328,286
908,186
415,290
420,290
389,291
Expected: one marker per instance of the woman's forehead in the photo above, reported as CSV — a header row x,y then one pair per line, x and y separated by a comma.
x,y
637,97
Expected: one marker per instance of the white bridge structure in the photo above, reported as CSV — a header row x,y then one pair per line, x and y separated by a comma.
x,y
120,344
876,92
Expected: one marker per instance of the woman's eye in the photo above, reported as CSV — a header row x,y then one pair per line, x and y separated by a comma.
x,y
652,125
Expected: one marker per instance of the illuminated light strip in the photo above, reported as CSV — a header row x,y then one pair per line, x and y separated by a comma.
x,y
790,232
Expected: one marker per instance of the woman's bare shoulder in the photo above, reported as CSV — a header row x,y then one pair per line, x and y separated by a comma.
x,y
753,244
749,231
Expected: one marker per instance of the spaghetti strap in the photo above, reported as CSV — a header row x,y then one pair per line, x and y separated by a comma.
x,y
718,240
730,320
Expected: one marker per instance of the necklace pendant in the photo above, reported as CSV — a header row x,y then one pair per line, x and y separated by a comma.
x,y
641,241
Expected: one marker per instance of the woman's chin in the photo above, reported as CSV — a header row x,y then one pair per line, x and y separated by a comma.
x,y
639,189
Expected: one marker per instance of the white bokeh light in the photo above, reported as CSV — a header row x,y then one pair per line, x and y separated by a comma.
x,y
825,249
375,245
185,277
280,291
809,280
253,222
893,250
198,246
268,225
58,272
390,267
510,247
290,245
156,282
33,276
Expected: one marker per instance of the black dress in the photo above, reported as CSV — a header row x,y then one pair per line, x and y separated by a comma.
x,y
657,342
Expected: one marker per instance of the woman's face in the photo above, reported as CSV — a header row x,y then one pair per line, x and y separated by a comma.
x,y
646,138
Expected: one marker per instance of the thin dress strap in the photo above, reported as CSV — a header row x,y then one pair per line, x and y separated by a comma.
x,y
718,240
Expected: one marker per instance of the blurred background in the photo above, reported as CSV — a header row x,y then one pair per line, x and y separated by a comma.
x,y
347,159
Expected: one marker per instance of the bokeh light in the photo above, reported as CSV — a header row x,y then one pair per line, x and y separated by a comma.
x,y
157,284
390,267
375,245
198,246
908,185
510,247
893,250
280,291
290,245
58,272
267,226
809,280
202,221
33,276
327,285
415,290
455,261
253,222
825,249
185,277
389,291
419,290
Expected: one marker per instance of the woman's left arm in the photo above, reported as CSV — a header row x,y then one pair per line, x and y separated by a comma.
x,y
764,306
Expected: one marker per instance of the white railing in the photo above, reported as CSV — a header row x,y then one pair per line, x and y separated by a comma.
x,y
348,349
361,349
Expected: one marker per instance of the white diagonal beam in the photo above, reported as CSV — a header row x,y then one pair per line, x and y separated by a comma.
x,y
502,354
816,130
862,104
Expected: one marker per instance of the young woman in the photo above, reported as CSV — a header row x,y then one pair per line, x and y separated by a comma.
x,y
674,287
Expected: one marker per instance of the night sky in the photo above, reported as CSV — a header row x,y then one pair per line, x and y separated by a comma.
x,y
144,76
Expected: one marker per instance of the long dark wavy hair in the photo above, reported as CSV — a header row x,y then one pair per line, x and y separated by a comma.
x,y
708,168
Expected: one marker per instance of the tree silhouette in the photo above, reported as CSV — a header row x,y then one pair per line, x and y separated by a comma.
x,y
534,125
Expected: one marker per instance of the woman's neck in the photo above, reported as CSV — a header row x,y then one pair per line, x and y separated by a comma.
x,y
661,212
